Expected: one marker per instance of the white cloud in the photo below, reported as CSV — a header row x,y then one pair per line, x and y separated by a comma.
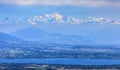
x,y
19,2
93,3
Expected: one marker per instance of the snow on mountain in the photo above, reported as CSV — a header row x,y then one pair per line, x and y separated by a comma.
x,y
56,18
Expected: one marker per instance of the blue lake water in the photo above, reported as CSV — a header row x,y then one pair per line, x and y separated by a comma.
x,y
63,61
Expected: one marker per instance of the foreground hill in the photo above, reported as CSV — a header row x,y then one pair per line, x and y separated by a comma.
x,y
7,40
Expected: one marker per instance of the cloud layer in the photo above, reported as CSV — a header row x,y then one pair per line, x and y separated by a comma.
x,y
92,3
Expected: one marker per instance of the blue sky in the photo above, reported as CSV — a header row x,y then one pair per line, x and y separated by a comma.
x,y
69,11
76,8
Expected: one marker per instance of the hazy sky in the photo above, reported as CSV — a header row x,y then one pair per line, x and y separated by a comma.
x,y
57,11
77,8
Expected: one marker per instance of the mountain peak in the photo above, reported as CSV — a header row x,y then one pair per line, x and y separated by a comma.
x,y
30,32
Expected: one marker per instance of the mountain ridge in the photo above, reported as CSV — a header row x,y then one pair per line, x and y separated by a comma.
x,y
36,34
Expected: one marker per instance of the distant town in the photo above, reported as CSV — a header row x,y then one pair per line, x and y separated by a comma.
x,y
56,67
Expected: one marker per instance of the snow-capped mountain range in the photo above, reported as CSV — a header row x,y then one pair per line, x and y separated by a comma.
x,y
57,26
56,18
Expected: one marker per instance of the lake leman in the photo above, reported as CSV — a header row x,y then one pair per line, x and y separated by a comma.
x,y
72,61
